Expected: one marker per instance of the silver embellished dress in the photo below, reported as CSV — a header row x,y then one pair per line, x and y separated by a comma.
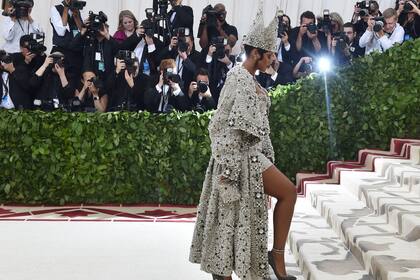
x,y
231,229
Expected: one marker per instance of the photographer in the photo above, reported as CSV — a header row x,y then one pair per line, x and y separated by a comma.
x,y
90,95
409,18
16,23
362,10
219,61
345,45
306,40
167,95
32,53
283,53
303,68
98,47
147,49
213,24
128,85
187,59
14,91
180,16
51,84
67,22
199,94
382,33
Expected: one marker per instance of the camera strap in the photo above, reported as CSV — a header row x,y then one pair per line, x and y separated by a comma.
x,y
21,27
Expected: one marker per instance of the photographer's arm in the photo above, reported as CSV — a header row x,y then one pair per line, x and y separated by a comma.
x,y
101,104
7,28
296,73
397,38
204,39
58,22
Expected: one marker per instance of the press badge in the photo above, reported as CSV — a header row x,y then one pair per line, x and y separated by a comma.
x,y
101,66
98,56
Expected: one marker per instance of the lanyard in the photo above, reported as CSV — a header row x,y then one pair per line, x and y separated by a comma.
x,y
21,27
5,86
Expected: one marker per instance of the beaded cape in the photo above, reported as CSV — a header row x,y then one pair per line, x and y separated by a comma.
x,y
232,222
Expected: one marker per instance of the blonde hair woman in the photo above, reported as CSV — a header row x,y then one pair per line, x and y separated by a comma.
x,y
127,25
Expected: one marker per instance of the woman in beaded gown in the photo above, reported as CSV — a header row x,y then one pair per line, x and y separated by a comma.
x,y
231,230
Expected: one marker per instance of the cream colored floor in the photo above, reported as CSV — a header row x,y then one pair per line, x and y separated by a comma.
x,y
96,250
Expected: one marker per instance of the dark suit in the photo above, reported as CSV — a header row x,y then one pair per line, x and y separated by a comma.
x,y
19,89
184,17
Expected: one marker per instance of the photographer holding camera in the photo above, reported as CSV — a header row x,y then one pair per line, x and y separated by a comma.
x,y
32,53
187,59
67,22
50,82
382,32
303,68
362,10
283,33
213,24
128,85
345,45
90,95
180,16
306,40
14,90
167,95
17,22
409,18
199,94
219,61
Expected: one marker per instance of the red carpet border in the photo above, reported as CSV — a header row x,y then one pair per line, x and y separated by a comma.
x,y
88,213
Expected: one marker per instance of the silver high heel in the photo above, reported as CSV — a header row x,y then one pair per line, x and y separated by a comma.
x,y
273,264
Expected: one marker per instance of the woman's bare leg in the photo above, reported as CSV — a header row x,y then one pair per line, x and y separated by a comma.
x,y
277,185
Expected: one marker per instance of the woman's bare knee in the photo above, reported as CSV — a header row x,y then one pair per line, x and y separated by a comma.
x,y
276,184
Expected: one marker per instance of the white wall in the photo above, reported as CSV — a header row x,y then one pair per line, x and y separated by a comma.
x,y
240,12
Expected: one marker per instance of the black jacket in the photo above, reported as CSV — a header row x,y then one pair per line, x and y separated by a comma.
x,y
49,87
122,96
153,97
184,17
19,89
203,105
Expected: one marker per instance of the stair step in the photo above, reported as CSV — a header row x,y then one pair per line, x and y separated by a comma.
x,y
320,253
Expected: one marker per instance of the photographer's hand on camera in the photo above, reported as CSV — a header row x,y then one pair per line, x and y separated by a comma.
x,y
29,57
193,88
129,78
120,66
174,43
8,67
183,55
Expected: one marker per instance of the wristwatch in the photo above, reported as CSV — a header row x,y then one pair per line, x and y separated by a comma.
x,y
96,98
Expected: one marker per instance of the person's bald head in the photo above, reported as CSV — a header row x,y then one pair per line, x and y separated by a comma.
x,y
221,12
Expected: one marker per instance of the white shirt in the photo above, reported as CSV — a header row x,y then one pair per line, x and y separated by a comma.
x,y
140,48
6,100
12,31
57,22
279,48
371,42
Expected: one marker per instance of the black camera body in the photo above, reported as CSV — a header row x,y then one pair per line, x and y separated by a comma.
x,y
379,24
129,59
282,29
169,75
20,8
325,24
5,57
97,21
342,40
97,82
75,5
307,67
202,87
181,34
36,44
312,28
57,59
407,7
363,5
219,43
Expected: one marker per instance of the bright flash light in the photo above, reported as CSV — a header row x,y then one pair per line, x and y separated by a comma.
x,y
324,64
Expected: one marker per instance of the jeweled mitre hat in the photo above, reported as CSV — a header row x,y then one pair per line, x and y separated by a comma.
x,y
260,36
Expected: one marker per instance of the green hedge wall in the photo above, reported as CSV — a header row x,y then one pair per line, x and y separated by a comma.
x,y
58,158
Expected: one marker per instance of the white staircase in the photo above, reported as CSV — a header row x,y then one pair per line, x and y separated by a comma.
x,y
367,226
